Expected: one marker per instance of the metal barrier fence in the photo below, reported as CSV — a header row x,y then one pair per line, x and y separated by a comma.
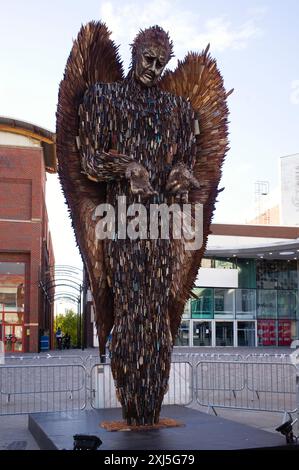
x,y
269,386
256,357
45,359
41,388
103,393
265,382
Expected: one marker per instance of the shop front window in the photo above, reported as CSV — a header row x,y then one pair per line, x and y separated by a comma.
x,y
12,304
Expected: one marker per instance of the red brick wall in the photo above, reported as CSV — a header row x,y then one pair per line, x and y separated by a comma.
x,y
19,164
15,197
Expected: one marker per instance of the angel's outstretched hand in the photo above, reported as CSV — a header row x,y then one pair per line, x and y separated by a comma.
x,y
139,180
181,181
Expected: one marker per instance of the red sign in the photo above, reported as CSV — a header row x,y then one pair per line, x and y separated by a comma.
x,y
266,331
284,332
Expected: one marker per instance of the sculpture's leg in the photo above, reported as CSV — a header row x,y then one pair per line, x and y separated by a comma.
x,y
141,340
140,365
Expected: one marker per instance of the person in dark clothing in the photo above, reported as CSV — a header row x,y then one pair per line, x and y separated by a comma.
x,y
66,341
58,335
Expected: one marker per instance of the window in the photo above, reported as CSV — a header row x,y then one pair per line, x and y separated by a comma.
x,y
246,273
277,274
183,334
207,263
202,307
287,304
187,310
266,303
266,274
12,287
12,304
225,263
245,303
224,302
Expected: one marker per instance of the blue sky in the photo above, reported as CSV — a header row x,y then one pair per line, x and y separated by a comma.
x,y
256,47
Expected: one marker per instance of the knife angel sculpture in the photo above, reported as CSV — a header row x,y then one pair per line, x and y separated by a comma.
x,y
125,145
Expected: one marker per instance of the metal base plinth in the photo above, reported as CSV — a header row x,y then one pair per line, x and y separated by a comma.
x,y
202,431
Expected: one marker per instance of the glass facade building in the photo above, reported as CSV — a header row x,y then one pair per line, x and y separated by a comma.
x,y
261,311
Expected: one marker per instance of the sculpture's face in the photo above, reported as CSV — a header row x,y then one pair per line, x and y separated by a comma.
x,y
150,64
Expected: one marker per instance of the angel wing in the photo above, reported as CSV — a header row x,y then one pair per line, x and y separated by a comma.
x,y
93,58
198,79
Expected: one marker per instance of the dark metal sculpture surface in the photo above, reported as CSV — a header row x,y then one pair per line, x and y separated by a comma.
x,y
152,140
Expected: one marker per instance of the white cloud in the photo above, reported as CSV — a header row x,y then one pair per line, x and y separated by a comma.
x,y
187,28
221,34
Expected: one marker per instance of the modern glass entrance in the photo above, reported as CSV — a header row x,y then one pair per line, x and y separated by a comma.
x,y
224,333
246,333
202,333
213,333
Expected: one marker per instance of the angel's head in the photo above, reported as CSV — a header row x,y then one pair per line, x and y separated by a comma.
x,y
151,51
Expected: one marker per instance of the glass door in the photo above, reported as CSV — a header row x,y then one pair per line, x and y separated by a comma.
x,y
246,333
224,333
202,333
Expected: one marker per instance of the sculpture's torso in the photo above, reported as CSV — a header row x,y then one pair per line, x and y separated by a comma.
x,y
152,126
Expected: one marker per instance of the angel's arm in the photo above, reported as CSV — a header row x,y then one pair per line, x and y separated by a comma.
x,y
100,162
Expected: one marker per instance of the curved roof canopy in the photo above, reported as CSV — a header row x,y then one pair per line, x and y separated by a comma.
x,y
45,137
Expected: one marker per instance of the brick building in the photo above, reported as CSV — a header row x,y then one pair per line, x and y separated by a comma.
x,y
27,152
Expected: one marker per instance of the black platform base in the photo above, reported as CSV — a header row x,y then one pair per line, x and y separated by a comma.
x,y
201,432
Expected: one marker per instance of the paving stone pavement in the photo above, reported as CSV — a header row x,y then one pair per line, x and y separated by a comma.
x,y
14,433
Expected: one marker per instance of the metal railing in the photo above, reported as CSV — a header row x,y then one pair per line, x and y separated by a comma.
x,y
265,382
42,388
44,359
257,386
103,393
221,356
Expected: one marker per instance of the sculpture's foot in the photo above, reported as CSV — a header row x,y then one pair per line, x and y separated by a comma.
x,y
123,426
